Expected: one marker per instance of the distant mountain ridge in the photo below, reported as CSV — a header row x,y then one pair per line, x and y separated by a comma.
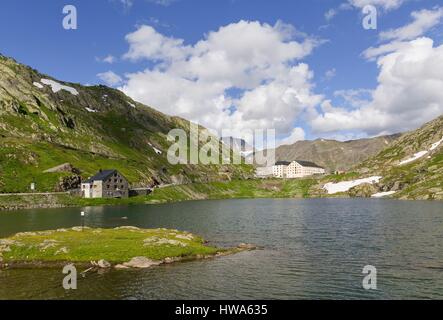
x,y
239,145
334,155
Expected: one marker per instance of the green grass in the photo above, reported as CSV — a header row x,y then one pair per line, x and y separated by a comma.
x,y
112,245
236,189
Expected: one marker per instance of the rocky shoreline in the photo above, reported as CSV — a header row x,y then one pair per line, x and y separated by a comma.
x,y
134,263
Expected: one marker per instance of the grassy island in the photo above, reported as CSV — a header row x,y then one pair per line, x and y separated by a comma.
x,y
123,247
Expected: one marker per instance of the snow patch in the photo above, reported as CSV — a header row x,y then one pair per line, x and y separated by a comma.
x,y
56,87
421,154
344,186
435,145
90,110
383,194
38,85
132,105
416,156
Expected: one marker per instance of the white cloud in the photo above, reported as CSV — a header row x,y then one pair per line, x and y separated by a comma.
x,y
245,75
409,90
424,20
147,43
373,52
110,78
385,4
354,98
409,93
329,74
331,13
108,59
297,134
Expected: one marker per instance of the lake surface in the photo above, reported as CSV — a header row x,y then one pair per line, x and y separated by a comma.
x,y
312,249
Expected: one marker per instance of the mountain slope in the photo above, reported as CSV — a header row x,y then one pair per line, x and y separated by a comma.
x,y
334,155
238,145
45,123
411,166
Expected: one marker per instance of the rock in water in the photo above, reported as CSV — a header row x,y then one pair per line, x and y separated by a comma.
x,y
247,246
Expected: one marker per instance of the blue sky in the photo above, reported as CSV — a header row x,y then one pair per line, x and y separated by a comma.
x,y
32,33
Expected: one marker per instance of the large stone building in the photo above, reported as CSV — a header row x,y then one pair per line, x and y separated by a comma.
x,y
296,169
279,169
106,184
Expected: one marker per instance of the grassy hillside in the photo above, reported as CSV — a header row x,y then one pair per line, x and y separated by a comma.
x,y
98,128
419,179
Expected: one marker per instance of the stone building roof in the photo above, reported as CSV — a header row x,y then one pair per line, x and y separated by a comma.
x,y
102,175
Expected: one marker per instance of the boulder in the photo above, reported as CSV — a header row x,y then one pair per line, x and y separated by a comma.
x,y
65,167
141,263
169,260
103,264
365,190
121,267
63,250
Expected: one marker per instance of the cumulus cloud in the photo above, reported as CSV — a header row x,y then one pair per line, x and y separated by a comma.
x,y
331,13
297,134
329,74
147,43
354,98
423,21
108,59
245,75
409,90
409,93
386,5
110,78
